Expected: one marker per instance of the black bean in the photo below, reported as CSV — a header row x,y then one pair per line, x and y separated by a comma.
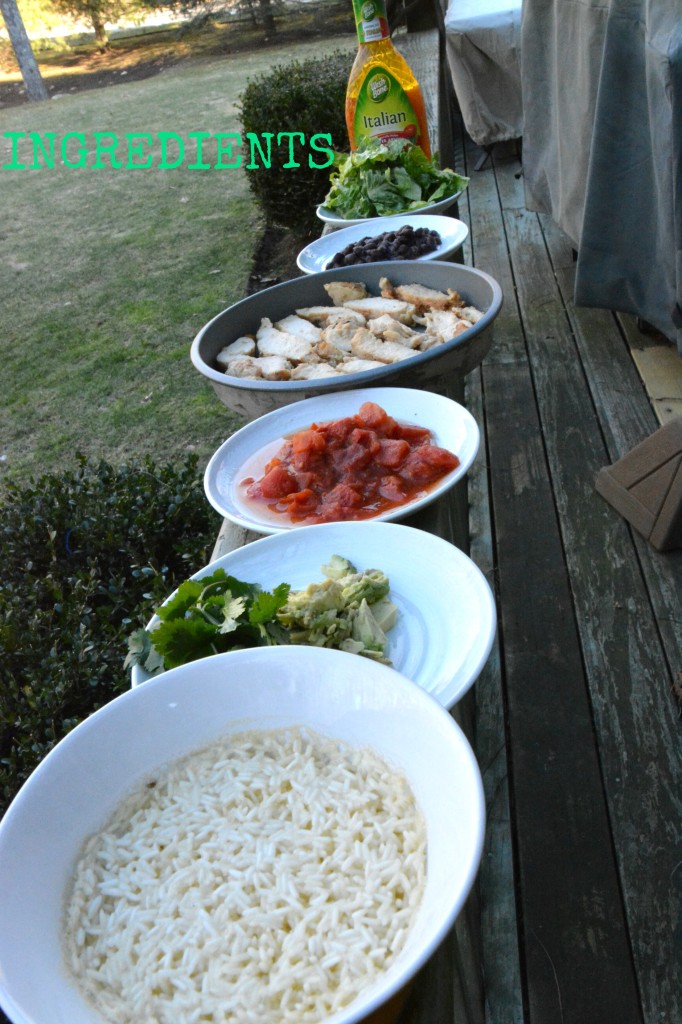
x,y
405,243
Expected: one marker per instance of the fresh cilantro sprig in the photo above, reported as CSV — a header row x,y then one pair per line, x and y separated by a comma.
x,y
209,616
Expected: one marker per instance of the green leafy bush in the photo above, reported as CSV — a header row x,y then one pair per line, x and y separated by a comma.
x,y
85,558
306,97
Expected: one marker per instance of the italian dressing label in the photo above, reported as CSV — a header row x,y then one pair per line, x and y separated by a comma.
x,y
383,110
370,21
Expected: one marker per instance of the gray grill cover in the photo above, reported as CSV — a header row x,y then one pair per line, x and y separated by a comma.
x,y
482,44
602,150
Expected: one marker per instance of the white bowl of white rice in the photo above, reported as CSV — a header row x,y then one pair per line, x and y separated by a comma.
x,y
271,835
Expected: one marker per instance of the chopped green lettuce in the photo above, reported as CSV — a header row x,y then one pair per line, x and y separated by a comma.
x,y
385,178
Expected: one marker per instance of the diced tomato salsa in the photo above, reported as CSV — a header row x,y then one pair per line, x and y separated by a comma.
x,y
352,468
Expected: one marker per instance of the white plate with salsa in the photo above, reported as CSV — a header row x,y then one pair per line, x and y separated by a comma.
x,y
241,461
446,610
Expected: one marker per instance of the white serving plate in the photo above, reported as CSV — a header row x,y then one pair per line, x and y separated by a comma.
x,y
318,254
82,780
329,217
446,609
451,425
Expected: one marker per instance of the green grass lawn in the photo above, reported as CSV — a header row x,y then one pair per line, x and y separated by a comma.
x,y
106,275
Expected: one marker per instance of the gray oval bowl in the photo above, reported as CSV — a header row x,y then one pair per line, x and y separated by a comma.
x,y
427,370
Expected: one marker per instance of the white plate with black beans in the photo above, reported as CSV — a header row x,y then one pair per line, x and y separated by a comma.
x,y
381,239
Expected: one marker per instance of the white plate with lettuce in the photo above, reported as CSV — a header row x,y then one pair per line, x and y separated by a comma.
x,y
444,614
385,180
335,221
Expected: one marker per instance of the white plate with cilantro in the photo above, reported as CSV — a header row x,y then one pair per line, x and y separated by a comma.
x,y
446,620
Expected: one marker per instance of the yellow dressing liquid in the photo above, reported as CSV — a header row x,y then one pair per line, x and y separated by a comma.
x,y
383,98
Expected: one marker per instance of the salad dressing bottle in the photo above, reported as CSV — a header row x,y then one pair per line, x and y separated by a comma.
x,y
383,99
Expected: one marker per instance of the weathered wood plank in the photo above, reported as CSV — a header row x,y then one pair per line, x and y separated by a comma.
x,y
577,960
577,963
631,653
459,164
661,371
489,252
432,999
231,537
626,667
611,375
498,925
625,418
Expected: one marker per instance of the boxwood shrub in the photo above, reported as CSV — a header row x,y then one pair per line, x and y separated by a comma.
x,y
307,97
85,557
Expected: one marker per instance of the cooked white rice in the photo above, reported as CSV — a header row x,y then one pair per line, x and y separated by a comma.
x,y
270,877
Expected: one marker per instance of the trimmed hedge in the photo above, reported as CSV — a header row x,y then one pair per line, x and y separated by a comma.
x,y
85,558
307,97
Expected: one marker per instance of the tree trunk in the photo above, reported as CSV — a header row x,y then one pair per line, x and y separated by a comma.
x,y
267,15
101,37
21,44
252,12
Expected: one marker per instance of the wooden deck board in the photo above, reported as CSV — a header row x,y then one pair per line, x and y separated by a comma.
x,y
501,967
575,954
626,417
620,612
594,975
560,396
